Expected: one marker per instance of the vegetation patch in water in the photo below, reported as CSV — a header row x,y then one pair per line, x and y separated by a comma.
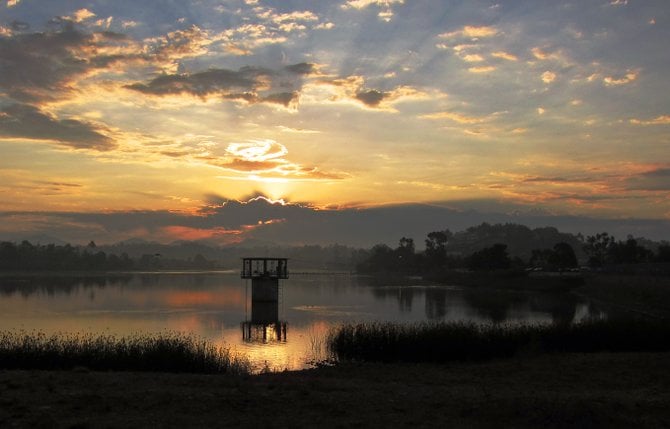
x,y
163,352
443,342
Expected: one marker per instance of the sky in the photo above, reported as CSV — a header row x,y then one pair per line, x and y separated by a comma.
x,y
163,112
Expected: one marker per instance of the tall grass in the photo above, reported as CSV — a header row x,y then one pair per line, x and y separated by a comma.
x,y
164,352
443,342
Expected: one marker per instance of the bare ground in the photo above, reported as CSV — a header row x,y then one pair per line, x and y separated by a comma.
x,y
551,391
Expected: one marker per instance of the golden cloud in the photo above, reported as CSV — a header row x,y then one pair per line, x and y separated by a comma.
x,y
265,159
629,77
548,77
456,117
82,15
471,32
659,120
385,14
483,69
473,58
504,56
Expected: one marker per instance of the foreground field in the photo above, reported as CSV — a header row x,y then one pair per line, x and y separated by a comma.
x,y
551,391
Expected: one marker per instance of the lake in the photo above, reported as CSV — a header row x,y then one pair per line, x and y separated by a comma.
x,y
214,305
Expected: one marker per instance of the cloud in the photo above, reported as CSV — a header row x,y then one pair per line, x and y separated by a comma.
x,y
456,117
482,69
471,32
371,97
473,58
301,68
212,81
352,89
250,84
27,122
629,77
656,179
325,26
46,66
82,15
257,150
261,218
179,44
659,120
544,55
266,159
548,77
386,12
504,55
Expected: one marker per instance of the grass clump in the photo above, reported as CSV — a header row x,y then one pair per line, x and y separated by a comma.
x,y
163,352
447,341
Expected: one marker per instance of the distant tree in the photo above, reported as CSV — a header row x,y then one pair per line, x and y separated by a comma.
x,y
436,249
490,258
629,252
597,248
381,259
405,256
541,258
200,261
563,256
663,253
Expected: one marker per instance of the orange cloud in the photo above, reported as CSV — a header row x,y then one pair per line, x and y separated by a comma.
x,y
614,81
472,32
504,56
187,233
456,117
659,120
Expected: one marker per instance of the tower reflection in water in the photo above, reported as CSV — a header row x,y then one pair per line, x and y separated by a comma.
x,y
264,324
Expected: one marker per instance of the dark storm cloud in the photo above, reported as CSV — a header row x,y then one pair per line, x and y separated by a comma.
x,y
371,98
25,121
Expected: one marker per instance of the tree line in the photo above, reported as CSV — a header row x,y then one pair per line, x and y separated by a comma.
x,y
441,254
52,257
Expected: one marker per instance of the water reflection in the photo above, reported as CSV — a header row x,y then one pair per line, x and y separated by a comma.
x,y
212,305
264,325
52,285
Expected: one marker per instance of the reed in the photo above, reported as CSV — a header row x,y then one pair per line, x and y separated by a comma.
x,y
443,342
163,352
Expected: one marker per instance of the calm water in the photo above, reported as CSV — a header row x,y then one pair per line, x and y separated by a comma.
x,y
214,305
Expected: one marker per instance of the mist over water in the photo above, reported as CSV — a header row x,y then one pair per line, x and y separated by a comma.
x,y
213,305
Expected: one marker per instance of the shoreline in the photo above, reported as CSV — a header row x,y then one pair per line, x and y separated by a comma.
x,y
552,391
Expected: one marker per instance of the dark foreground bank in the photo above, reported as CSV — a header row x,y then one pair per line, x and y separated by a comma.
x,y
549,391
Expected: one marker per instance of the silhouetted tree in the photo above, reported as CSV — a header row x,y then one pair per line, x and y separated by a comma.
x,y
663,253
597,248
629,252
490,258
561,257
436,249
381,259
405,256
